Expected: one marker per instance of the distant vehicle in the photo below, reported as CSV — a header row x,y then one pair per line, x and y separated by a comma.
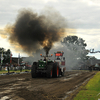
x,y
95,67
49,67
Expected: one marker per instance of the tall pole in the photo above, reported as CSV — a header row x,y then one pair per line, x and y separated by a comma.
x,y
10,57
18,58
2,58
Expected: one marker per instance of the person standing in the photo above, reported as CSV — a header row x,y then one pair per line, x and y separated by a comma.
x,y
8,67
20,68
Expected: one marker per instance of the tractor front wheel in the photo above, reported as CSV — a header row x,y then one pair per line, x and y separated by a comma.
x,y
49,71
33,71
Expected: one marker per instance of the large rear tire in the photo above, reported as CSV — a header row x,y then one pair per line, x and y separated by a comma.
x,y
62,73
49,71
33,71
56,70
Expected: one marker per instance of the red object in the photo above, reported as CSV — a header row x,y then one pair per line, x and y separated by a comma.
x,y
58,54
29,65
62,63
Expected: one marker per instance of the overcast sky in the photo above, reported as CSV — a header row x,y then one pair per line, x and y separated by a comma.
x,y
82,16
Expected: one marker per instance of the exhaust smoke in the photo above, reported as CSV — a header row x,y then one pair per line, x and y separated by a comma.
x,y
32,31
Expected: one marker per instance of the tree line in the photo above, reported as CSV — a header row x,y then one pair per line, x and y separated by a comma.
x,y
5,56
73,43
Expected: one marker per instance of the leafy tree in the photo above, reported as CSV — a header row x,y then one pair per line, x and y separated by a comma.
x,y
77,46
6,55
75,41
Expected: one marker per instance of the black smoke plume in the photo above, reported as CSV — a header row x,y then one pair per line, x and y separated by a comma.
x,y
32,31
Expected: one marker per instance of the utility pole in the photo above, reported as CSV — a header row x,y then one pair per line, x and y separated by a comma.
x,y
2,57
10,58
18,59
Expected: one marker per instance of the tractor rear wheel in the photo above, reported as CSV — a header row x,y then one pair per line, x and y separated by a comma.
x,y
33,71
56,70
62,73
49,71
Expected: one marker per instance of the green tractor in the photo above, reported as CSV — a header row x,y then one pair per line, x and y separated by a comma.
x,y
48,67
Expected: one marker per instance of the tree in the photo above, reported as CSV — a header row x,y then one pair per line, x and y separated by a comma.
x,y
76,46
75,41
5,55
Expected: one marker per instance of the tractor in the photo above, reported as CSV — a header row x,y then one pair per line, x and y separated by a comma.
x,y
52,68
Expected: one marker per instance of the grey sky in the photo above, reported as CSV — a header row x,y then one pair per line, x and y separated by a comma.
x,y
81,15
78,13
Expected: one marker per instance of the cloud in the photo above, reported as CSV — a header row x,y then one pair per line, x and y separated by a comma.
x,y
78,14
3,34
4,43
82,16
46,1
91,36
92,2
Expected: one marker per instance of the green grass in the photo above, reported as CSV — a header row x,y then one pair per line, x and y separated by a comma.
x,y
91,90
3,71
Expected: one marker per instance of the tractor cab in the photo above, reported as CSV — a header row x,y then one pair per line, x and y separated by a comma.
x,y
42,63
59,55
45,58
59,58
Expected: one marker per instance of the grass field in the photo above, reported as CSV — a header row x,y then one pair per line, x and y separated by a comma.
x,y
91,91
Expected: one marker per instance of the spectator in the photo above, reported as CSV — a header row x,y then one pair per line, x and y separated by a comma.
x,y
20,68
8,67
0,67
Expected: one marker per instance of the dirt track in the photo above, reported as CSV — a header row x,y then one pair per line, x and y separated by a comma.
x,y
23,87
